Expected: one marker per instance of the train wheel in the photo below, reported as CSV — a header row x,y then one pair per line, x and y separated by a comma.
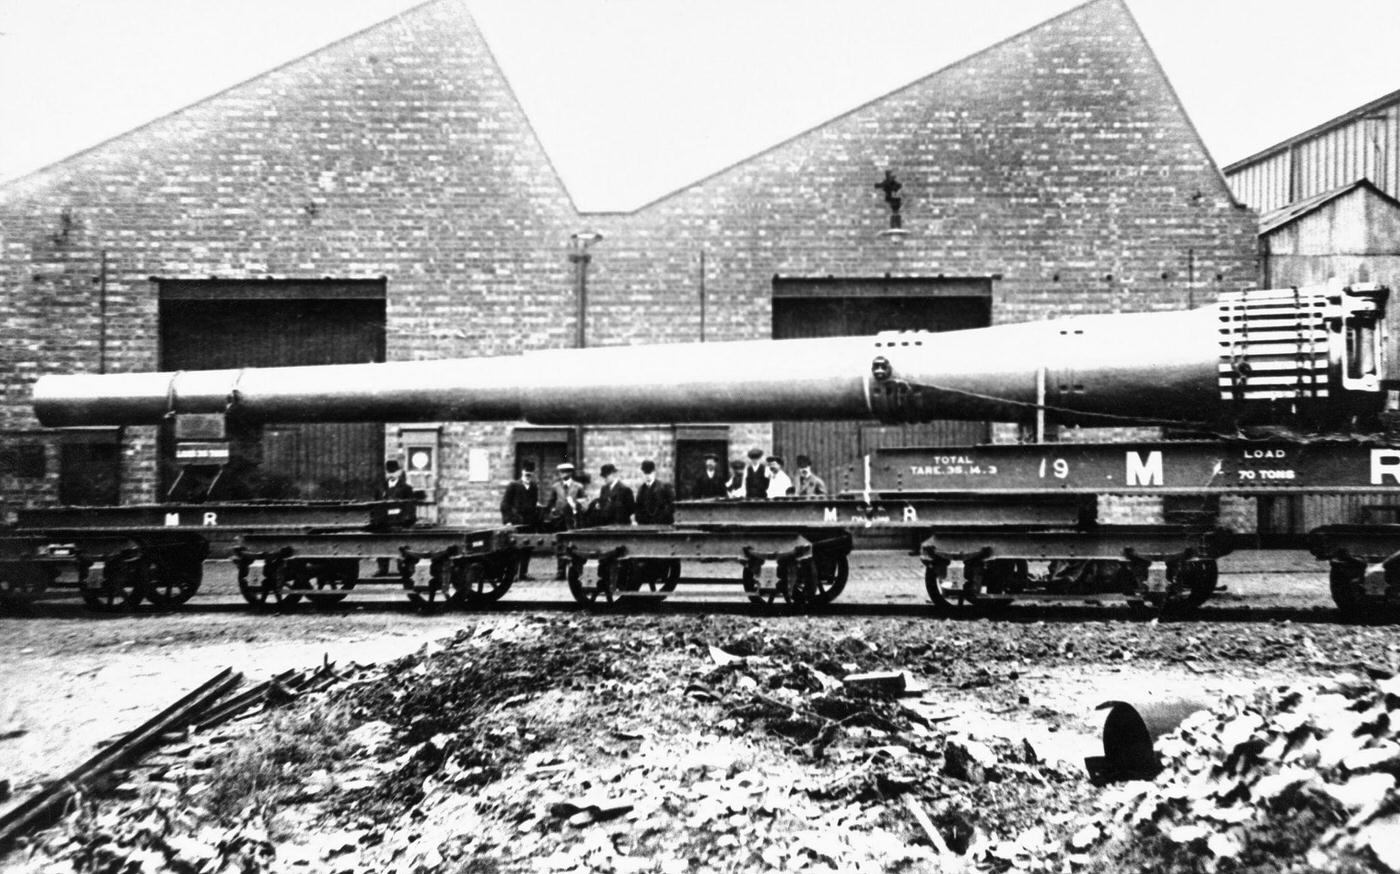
x,y
326,583
576,584
670,575
1191,583
606,593
1348,583
832,572
172,578
22,580
658,576
935,582
797,579
123,578
424,595
476,582
273,590
993,577
750,580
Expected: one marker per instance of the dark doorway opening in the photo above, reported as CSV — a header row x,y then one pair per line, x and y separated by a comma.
x,y
859,307
89,468
547,448
229,324
692,445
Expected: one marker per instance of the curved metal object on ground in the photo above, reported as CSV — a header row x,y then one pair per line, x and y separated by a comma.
x,y
1129,733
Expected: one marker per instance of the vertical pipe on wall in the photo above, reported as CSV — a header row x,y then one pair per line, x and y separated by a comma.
x,y
1190,278
102,314
702,295
579,256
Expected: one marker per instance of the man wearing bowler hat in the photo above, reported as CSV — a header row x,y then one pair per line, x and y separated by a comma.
x,y
520,506
615,502
656,500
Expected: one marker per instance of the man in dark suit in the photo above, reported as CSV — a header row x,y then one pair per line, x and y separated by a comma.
x,y
756,475
393,487
563,508
656,500
734,488
521,507
710,484
615,502
808,484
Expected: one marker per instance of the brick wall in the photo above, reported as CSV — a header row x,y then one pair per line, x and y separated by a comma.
x,y
1058,159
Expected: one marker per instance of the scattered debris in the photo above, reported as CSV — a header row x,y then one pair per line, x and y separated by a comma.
x,y
571,742
43,805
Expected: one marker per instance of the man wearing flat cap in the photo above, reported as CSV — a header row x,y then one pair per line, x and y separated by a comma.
x,y
562,509
755,475
709,484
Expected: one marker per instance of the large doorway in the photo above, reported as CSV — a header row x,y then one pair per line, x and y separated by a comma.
x,y
858,307
223,324
692,445
547,448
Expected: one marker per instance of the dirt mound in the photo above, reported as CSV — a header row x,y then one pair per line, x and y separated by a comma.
x,y
1291,779
573,742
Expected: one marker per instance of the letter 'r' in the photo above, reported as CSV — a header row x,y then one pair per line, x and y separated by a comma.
x,y
1385,463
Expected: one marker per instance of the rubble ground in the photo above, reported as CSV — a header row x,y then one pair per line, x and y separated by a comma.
x,y
575,741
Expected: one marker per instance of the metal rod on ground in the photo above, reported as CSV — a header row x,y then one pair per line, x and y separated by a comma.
x,y
48,801
290,683
247,699
931,831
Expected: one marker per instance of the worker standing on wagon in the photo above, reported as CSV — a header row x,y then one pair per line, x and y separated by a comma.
x,y
808,483
393,487
734,488
755,475
779,483
520,506
709,484
656,500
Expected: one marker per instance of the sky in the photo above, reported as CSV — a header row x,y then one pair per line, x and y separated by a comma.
x,y
633,99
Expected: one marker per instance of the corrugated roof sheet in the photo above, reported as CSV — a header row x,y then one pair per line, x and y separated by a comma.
x,y
1272,221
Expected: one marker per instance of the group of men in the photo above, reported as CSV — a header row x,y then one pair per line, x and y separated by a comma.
x,y
761,477
566,504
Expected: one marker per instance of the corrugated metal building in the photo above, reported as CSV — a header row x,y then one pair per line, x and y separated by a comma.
x,y
1328,208
1361,144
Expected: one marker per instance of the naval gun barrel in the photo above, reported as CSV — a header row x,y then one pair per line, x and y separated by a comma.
x,y
1250,357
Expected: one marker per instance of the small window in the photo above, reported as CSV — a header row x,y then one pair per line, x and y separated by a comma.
x,y
89,467
24,460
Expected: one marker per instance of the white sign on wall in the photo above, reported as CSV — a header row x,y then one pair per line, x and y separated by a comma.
x,y
478,466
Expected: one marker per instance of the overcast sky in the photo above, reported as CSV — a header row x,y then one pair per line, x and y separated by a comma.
x,y
635,98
